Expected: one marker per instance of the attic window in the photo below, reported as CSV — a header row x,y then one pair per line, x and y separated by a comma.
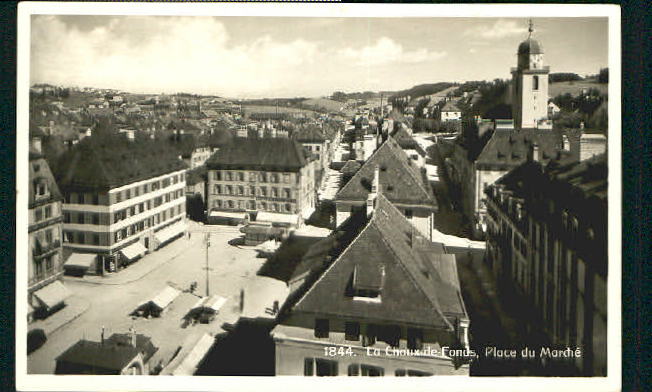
x,y
367,283
37,167
390,188
383,168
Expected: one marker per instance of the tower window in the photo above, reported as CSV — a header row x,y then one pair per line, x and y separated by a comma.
x,y
535,82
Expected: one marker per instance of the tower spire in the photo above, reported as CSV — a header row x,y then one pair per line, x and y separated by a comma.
x,y
530,28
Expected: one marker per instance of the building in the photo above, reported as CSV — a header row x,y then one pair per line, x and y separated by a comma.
x,y
373,289
592,144
450,112
402,182
46,292
120,354
530,85
547,242
122,199
274,177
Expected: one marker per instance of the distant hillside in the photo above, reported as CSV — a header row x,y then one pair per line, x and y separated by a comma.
x,y
575,88
323,104
423,89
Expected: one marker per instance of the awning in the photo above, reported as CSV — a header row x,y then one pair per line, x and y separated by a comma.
x,y
189,365
307,212
275,217
52,294
228,214
213,303
170,231
165,297
134,250
80,260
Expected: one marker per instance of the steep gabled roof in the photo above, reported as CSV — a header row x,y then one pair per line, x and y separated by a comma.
x,y
400,179
309,134
260,154
419,282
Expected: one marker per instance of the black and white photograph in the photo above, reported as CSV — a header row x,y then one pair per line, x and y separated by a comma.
x,y
318,190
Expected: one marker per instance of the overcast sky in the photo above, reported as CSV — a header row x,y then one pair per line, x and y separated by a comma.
x,y
288,57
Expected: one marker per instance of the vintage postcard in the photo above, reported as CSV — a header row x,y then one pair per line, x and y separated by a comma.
x,y
424,193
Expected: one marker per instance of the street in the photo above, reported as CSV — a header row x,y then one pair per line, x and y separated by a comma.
x,y
110,304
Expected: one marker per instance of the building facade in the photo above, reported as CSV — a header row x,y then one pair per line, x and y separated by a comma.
x,y
121,214
45,259
364,302
271,175
547,241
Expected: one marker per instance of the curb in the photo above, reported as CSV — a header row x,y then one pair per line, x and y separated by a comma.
x,y
133,279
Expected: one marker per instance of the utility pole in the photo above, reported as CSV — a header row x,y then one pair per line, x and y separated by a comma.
x,y
207,241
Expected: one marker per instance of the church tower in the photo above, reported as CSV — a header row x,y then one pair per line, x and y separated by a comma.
x,y
530,85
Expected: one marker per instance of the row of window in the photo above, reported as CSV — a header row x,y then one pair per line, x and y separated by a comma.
x,y
390,334
325,367
252,205
44,268
231,175
126,194
102,239
42,213
251,191
97,218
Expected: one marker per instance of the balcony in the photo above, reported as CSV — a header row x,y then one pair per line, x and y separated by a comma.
x,y
41,250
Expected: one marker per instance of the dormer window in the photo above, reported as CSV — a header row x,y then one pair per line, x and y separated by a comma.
x,y
41,188
367,283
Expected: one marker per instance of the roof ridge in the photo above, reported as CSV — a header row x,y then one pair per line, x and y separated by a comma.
x,y
411,170
358,173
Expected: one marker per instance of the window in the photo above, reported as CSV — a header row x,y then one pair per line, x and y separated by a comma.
x,y
217,189
68,236
535,82
408,214
286,178
228,176
96,239
274,192
252,191
38,214
48,236
240,176
118,197
96,199
415,338
145,188
321,328
96,219
41,189
288,207
128,194
217,176
66,217
351,330
365,370
263,191
80,238
274,207
325,367
80,218
240,189
411,373
137,191
286,193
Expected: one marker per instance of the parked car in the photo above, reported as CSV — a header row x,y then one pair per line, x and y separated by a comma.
x,y
35,339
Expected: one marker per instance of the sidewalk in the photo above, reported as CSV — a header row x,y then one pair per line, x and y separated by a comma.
x,y
75,307
145,265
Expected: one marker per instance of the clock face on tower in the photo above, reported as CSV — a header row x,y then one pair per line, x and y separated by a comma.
x,y
536,61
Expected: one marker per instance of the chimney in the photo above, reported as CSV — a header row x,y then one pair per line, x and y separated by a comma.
x,y
36,144
102,335
133,336
566,142
534,153
371,198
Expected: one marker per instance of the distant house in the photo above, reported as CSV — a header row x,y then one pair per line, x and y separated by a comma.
x,y
450,112
552,109
120,354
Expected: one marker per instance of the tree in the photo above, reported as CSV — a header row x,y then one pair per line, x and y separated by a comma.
x,y
603,76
